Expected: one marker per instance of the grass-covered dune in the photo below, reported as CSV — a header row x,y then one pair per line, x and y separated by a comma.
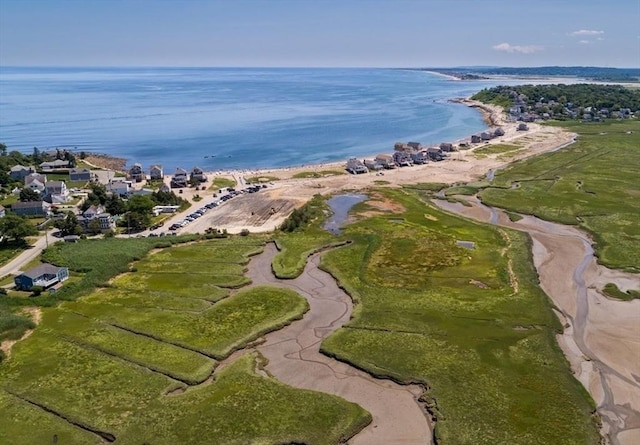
x,y
470,324
592,183
134,361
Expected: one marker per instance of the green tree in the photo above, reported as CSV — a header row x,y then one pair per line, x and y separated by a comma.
x,y
69,225
17,228
115,205
94,226
28,195
3,149
36,157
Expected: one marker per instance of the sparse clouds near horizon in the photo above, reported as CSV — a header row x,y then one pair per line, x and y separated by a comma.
x,y
522,49
586,32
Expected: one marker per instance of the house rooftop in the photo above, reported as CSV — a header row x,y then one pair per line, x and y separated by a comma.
x,y
41,270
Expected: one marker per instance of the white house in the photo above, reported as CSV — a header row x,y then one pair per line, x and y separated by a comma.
x,y
119,186
56,192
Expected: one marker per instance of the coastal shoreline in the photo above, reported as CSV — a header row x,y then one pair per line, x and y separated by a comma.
x,y
491,115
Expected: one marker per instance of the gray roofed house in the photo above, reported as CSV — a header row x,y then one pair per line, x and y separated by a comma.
x,y
446,146
31,208
385,160
180,178
35,181
79,174
355,166
20,171
56,192
136,173
197,174
45,275
156,172
54,165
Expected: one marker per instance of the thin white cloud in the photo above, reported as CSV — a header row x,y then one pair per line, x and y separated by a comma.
x,y
586,32
522,49
585,42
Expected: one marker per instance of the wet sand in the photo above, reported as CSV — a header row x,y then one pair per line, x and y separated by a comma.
x,y
295,359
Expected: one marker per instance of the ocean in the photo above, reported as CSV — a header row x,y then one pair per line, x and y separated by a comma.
x,y
230,118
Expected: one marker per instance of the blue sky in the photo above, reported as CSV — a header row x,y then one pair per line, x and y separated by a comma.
x,y
382,33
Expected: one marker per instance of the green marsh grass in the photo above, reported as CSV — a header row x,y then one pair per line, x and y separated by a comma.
x,y
80,363
452,319
592,183
242,407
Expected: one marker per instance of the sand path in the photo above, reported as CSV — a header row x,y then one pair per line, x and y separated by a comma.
x,y
601,339
295,359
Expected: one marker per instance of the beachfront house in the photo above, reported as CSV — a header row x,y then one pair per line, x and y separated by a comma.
x,y
475,139
385,160
156,172
435,154
498,132
180,178
44,275
486,136
523,127
19,172
79,174
447,146
402,159
31,208
197,174
415,145
419,157
355,166
371,164
401,146
136,173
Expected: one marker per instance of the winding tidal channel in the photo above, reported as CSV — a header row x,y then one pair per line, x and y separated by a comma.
x,y
295,359
601,337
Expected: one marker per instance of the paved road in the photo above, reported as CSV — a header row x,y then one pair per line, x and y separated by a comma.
x,y
15,266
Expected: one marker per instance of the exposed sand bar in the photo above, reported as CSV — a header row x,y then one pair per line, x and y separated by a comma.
x,y
601,338
295,359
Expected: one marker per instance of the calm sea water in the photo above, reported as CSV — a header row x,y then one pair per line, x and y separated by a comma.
x,y
221,118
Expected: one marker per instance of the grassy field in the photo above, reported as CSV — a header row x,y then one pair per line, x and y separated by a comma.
x,y
470,324
318,174
592,183
132,360
217,183
492,149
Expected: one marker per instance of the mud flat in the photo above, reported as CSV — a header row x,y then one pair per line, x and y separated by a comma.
x,y
601,338
295,359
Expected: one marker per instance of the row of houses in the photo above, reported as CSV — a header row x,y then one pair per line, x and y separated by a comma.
x,y
487,135
20,172
137,174
53,192
405,155
181,178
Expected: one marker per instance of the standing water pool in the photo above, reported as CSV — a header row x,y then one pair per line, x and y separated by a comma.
x,y
340,206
